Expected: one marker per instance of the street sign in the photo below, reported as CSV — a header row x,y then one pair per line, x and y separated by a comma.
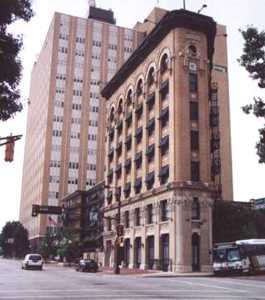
x,y
258,203
51,210
45,209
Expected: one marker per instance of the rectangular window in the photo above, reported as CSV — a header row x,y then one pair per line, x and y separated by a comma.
x,y
194,111
126,219
164,211
150,214
195,171
195,209
109,224
193,82
137,216
194,140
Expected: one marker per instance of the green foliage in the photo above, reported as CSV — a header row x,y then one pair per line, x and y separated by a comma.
x,y
236,220
14,240
253,60
10,71
49,245
62,243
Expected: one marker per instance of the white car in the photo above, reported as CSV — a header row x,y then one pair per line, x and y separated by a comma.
x,y
33,261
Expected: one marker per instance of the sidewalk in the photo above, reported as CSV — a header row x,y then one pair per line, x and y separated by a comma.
x,y
127,271
172,274
140,272
153,273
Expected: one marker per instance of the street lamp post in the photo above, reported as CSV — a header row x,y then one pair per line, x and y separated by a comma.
x,y
119,233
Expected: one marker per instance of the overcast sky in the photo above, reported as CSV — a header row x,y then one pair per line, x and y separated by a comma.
x,y
248,175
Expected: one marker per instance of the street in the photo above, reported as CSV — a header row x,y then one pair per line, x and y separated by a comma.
x,y
56,282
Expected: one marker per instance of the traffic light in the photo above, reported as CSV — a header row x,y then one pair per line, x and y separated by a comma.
x,y
119,230
9,153
35,210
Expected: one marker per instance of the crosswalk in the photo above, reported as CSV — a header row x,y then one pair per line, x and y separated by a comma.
x,y
64,283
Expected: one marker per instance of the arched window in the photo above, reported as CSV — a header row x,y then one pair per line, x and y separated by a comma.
x,y
129,98
139,89
151,76
164,63
195,209
111,117
120,107
192,50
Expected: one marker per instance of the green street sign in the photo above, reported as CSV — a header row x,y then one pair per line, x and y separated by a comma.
x,y
51,210
46,209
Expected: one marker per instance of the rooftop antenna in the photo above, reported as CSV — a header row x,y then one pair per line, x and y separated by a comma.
x,y
184,4
204,6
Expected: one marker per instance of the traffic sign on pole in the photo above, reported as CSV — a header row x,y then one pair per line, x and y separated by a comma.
x,y
46,209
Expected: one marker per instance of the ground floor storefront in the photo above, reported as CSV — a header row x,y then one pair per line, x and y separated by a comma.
x,y
167,233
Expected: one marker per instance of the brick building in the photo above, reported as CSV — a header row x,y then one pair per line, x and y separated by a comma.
x,y
65,124
168,152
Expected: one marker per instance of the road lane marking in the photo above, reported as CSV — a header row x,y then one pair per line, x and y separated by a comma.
x,y
236,281
151,296
212,286
100,290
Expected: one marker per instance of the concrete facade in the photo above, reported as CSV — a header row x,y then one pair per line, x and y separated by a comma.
x,y
168,153
65,126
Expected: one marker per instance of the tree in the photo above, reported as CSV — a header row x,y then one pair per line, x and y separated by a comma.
x,y
235,221
49,244
14,240
10,45
253,60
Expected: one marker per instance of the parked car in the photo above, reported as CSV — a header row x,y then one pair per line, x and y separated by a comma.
x,y
32,261
87,265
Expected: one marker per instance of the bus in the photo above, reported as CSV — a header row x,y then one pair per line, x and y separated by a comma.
x,y
241,257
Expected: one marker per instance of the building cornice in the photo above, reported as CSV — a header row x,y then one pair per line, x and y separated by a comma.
x,y
173,19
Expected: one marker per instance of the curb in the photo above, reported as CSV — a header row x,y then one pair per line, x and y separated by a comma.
x,y
174,275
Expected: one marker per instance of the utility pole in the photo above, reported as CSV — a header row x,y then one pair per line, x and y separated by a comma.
x,y
117,242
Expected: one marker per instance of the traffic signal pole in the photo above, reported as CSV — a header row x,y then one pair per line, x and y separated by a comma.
x,y
119,235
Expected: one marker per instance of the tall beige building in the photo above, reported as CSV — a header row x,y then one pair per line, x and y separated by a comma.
x,y
168,151
64,148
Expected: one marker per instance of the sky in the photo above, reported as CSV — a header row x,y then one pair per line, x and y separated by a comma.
x,y
248,174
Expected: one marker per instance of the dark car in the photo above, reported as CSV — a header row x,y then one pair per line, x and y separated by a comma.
x,y
87,265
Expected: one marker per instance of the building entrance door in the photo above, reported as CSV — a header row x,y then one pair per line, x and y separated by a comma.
x,y
108,253
137,252
126,252
196,252
164,248
150,251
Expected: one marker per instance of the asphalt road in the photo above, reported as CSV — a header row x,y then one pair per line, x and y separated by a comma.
x,y
64,283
